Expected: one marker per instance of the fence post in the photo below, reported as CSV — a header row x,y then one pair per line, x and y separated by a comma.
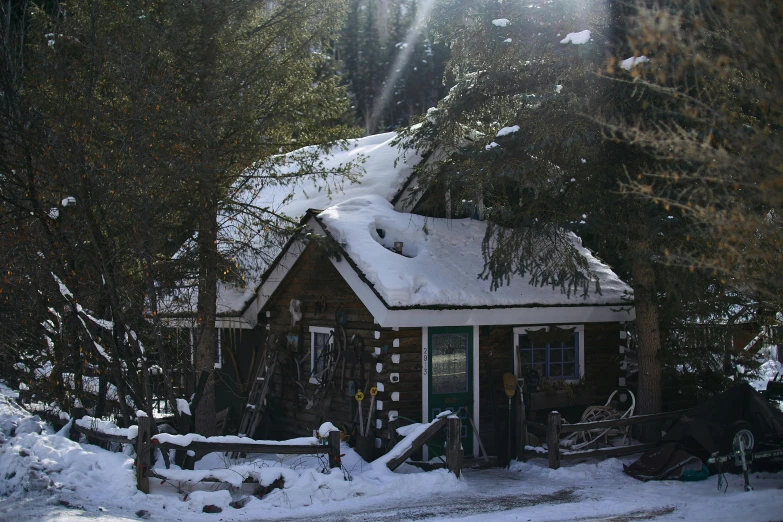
x,y
76,414
521,428
454,445
553,439
143,446
334,449
184,422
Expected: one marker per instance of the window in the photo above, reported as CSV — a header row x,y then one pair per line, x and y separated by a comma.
x,y
320,338
554,352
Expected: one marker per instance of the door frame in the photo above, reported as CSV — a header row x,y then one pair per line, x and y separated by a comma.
x,y
425,384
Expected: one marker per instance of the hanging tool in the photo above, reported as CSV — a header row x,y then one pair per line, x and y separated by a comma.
x,y
373,393
359,397
510,387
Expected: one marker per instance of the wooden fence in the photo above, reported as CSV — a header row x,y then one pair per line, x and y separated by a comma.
x,y
145,443
406,447
556,427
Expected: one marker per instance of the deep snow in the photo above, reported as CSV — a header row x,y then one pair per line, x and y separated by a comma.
x,y
441,260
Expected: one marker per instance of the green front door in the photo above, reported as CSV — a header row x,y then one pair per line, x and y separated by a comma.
x,y
450,361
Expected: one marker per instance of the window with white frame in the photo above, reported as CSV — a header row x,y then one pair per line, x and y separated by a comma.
x,y
555,352
320,338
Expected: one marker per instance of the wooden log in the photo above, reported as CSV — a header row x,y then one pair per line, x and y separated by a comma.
x,y
276,449
616,423
246,480
553,439
608,452
184,423
143,446
98,435
416,443
334,449
454,445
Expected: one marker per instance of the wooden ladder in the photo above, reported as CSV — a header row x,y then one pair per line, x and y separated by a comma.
x,y
254,409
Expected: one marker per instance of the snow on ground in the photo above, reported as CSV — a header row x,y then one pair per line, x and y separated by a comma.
x,y
47,477
628,63
580,38
437,256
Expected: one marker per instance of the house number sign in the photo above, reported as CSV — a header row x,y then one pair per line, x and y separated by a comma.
x,y
424,355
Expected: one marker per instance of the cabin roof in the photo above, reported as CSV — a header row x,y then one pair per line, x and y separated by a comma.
x,y
438,271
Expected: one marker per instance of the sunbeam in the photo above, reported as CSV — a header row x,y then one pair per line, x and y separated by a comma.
x,y
399,62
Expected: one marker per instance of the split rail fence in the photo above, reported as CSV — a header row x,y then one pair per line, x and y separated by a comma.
x,y
145,443
555,427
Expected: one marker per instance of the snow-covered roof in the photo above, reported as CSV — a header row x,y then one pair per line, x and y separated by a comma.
x,y
381,165
441,260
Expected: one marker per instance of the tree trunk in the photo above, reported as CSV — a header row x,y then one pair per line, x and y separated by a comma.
x,y
206,309
648,399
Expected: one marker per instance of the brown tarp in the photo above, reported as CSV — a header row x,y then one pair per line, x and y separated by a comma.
x,y
664,462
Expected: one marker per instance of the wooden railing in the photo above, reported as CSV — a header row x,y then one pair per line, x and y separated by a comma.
x,y
555,427
145,443
453,426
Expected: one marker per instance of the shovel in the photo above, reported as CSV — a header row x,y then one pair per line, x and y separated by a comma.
x,y
510,387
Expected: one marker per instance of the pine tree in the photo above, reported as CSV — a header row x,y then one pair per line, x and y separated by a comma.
x,y
148,116
535,73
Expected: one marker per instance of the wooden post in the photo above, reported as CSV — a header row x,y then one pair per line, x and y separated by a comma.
x,y
184,422
334,449
76,414
521,428
454,445
553,439
143,446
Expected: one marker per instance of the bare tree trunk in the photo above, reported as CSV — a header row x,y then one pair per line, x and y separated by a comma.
x,y
649,337
206,309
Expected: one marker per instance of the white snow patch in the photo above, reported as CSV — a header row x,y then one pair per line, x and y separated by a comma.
x,y
628,63
580,38
183,407
507,130
326,428
500,22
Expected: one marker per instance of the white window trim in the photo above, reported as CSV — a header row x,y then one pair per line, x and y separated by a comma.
x,y
578,328
219,343
314,330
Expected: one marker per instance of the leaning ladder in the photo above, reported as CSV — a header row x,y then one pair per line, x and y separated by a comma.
x,y
257,398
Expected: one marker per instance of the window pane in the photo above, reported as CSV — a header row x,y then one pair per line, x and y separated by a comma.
x,y
524,342
449,363
569,355
555,355
555,370
539,356
569,369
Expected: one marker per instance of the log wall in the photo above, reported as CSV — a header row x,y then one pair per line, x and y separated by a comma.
x,y
313,280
